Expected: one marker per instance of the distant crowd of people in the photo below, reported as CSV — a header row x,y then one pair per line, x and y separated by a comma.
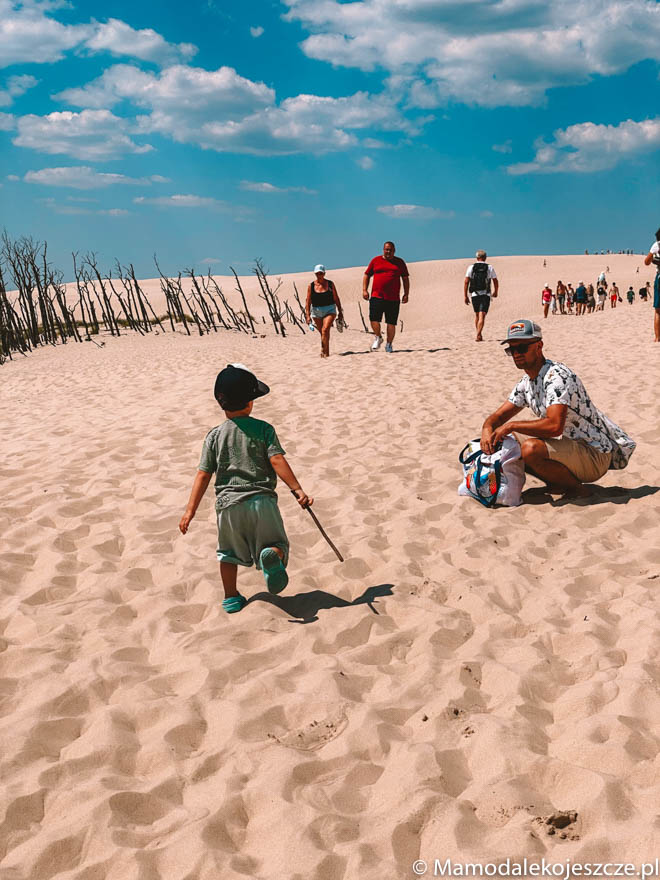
x,y
628,251
587,298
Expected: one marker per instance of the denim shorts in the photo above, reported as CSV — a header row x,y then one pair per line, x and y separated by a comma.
x,y
323,311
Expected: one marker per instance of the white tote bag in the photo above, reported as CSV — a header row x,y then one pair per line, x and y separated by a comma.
x,y
493,479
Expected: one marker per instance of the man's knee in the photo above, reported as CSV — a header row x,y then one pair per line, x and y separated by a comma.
x,y
533,447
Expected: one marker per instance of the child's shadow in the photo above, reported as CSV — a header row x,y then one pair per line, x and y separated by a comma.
x,y
304,607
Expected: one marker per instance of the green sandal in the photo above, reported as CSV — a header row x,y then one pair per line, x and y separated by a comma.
x,y
274,570
234,603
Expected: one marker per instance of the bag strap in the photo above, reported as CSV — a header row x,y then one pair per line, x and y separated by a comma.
x,y
470,458
490,500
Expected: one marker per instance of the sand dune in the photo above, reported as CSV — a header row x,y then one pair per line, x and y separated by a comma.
x,y
462,679
436,285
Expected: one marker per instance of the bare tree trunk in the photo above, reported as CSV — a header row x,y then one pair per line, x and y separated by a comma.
x,y
240,290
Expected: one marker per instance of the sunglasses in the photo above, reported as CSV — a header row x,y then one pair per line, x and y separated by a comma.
x,y
511,350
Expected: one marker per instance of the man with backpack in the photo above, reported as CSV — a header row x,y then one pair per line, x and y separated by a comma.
x,y
477,287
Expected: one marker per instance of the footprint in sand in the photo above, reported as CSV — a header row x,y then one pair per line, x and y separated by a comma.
x,y
314,735
562,823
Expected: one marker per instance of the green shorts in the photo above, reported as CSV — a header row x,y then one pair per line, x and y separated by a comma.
x,y
246,528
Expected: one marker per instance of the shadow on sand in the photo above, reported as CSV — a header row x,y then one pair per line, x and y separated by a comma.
x,y
396,351
599,495
304,607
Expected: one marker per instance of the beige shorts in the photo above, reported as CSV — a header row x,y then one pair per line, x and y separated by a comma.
x,y
583,461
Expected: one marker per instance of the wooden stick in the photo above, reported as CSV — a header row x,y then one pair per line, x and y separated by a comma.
x,y
321,529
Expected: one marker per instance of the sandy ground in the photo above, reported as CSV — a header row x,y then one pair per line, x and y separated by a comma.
x,y
463,676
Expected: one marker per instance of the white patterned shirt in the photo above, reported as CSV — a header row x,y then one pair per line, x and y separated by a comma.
x,y
557,384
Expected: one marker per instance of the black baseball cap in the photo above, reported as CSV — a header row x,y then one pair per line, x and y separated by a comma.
x,y
237,385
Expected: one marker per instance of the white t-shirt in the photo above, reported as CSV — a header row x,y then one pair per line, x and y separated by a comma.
x,y
655,250
491,275
557,384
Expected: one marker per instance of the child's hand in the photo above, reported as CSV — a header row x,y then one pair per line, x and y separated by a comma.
x,y
303,499
185,522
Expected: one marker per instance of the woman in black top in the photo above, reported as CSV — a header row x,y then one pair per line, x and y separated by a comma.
x,y
322,307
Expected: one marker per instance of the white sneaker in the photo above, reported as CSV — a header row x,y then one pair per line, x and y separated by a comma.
x,y
378,341
388,347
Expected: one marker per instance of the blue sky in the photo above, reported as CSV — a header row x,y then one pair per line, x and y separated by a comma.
x,y
302,131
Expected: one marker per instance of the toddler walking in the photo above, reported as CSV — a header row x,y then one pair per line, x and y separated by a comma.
x,y
246,457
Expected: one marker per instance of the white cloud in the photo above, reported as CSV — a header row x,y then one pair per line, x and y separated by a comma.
x,y
30,34
90,135
365,162
57,208
256,31
13,177
119,38
184,201
7,122
588,147
239,213
252,186
220,110
305,123
16,86
486,215
77,210
486,52
210,261
84,177
503,148
177,96
414,212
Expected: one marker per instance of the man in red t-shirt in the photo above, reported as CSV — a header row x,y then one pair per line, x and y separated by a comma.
x,y
388,272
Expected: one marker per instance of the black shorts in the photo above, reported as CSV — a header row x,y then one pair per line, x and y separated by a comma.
x,y
387,307
480,302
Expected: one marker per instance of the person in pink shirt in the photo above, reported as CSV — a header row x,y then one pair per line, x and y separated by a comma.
x,y
546,299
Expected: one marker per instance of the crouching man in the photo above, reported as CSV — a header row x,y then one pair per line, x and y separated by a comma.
x,y
570,441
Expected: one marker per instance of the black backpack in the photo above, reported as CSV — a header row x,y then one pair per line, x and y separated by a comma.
x,y
479,280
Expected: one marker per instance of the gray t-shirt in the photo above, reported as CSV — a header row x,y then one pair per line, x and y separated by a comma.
x,y
238,453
